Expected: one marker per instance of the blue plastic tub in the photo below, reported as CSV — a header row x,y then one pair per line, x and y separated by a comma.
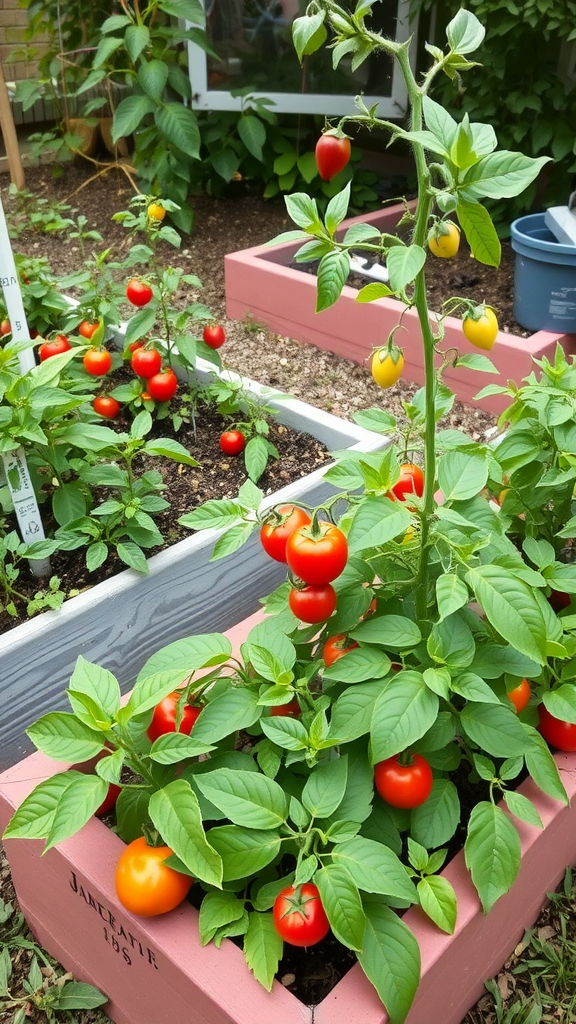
x,y
545,277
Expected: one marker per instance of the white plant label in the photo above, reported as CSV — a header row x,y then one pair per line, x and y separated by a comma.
x,y
15,466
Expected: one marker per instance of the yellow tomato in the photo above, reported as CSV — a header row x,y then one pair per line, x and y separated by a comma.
x,y
481,330
445,243
387,367
156,212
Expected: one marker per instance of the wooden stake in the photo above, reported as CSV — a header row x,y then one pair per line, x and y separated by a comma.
x,y
17,176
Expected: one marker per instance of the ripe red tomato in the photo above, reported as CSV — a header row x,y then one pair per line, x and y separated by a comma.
x,y
138,292
332,154
55,347
313,604
232,442
97,362
109,801
276,530
299,917
5,327
291,709
411,481
136,344
520,695
146,362
164,717
336,647
558,600
162,386
556,732
320,558
214,335
403,785
87,328
106,406
144,885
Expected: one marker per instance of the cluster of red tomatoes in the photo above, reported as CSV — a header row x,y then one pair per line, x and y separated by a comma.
x,y
161,385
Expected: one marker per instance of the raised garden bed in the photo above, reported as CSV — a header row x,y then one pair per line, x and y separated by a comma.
x,y
261,282
156,969
120,622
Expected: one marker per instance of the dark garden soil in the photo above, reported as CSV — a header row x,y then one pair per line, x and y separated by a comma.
x,y
321,378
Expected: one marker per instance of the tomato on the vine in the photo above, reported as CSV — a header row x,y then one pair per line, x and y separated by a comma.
x,y
87,328
97,362
317,556
275,532
387,366
156,212
313,604
146,362
5,328
558,600
232,442
556,732
291,709
520,695
299,917
336,647
404,785
162,386
332,153
411,481
106,406
445,239
482,328
214,335
138,292
144,884
164,717
55,347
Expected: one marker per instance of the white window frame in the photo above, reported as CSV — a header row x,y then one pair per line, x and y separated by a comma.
x,y
392,106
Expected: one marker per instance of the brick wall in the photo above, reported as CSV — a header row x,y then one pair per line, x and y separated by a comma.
x,y
13,21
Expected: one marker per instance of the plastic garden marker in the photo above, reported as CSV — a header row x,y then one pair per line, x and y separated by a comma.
x,y
14,463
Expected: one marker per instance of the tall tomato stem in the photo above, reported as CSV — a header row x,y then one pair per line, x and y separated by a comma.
x,y
415,95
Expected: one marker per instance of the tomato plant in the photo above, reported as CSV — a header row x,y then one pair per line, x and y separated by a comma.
x,y
445,239
138,292
312,603
144,884
162,386
214,335
291,709
165,714
411,481
481,327
332,153
387,366
146,362
156,212
336,647
106,406
232,442
520,695
87,328
317,554
54,347
275,531
556,732
299,917
97,362
404,784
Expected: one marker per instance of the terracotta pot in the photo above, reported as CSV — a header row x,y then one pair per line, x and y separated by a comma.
x,y
260,281
155,969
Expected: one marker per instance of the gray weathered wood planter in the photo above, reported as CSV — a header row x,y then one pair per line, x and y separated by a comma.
x,y
121,622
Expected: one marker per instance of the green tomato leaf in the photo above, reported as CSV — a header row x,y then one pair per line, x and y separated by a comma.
x,y
64,738
511,607
244,851
390,959
217,910
342,903
438,901
436,820
262,948
247,798
325,788
333,271
496,729
492,852
403,712
175,812
375,868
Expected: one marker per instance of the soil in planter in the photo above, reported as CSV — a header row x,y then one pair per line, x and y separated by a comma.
x,y
465,277
218,476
